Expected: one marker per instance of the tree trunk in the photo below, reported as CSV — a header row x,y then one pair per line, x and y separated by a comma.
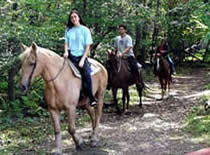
x,y
11,83
137,45
155,30
84,6
206,52
15,67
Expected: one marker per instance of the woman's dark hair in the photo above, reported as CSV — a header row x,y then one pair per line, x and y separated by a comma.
x,y
70,24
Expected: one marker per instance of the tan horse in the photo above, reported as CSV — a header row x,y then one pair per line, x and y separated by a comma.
x,y
62,90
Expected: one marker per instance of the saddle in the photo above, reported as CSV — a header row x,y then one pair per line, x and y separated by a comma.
x,y
128,65
93,65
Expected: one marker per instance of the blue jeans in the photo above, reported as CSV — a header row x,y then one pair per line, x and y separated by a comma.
x,y
86,77
172,67
133,64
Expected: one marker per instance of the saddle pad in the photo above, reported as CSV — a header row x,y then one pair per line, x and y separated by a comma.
x,y
93,65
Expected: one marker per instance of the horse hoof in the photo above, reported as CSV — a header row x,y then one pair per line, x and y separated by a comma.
x,y
119,112
94,143
127,113
56,151
80,147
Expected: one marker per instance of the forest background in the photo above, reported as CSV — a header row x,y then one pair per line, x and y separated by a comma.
x,y
184,23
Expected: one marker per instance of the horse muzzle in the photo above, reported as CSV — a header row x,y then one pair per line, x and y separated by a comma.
x,y
24,87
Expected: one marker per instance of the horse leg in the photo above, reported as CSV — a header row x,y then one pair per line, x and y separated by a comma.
x,y
123,98
98,114
91,113
114,94
139,89
162,87
128,97
71,113
57,129
169,83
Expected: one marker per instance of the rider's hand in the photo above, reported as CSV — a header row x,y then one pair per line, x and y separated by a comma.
x,y
81,63
120,54
66,55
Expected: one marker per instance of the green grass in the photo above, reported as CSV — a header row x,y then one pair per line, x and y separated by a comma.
x,y
207,86
198,121
30,134
22,134
198,125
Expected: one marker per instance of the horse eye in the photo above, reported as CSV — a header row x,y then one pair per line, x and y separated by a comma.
x,y
31,64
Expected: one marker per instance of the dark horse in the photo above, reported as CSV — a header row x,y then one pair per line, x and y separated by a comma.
x,y
162,70
121,77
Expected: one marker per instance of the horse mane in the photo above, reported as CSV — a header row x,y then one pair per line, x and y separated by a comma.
x,y
41,50
49,53
24,54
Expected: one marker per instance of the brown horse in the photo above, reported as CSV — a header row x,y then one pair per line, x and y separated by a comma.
x,y
121,77
62,91
163,72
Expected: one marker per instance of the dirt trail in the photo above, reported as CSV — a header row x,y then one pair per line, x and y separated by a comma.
x,y
153,130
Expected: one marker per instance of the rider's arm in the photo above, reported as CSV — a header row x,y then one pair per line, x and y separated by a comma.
x,y
126,51
129,45
66,50
82,60
66,47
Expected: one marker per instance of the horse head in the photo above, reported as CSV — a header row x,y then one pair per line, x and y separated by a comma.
x,y
112,59
156,61
29,67
111,54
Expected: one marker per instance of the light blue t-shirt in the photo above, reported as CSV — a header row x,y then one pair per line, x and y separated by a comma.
x,y
77,38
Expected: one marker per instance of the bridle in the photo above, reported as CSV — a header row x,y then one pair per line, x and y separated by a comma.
x,y
58,72
120,65
34,67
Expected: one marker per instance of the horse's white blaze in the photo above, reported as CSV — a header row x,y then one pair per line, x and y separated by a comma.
x,y
158,63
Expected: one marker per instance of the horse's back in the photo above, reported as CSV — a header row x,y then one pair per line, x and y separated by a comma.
x,y
123,78
101,76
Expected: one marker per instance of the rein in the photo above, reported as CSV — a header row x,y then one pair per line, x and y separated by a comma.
x,y
58,72
33,69
120,65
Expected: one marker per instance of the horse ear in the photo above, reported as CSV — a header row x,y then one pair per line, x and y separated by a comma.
x,y
34,46
109,51
23,47
115,52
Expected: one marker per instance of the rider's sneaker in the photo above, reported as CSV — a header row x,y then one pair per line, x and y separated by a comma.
x,y
93,103
139,65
